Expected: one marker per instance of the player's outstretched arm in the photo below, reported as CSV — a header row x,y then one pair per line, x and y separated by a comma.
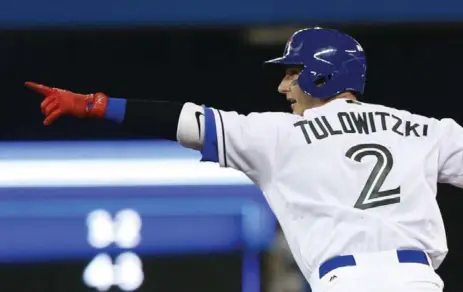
x,y
247,143
157,119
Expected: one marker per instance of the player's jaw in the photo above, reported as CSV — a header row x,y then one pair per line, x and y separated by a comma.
x,y
299,101
289,86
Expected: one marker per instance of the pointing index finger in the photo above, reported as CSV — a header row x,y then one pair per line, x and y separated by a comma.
x,y
42,89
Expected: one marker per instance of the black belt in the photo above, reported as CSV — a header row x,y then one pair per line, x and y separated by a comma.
x,y
404,256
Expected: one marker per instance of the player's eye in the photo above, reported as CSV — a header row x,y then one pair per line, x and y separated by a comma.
x,y
292,72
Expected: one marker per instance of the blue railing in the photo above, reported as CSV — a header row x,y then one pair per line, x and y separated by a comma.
x,y
107,13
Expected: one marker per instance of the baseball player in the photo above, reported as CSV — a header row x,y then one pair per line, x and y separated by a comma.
x,y
353,184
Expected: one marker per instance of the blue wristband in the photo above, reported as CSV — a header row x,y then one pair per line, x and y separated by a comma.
x,y
115,110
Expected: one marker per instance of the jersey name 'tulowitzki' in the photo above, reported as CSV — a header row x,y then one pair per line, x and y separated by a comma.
x,y
347,177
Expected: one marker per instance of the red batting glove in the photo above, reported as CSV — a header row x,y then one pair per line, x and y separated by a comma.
x,y
60,102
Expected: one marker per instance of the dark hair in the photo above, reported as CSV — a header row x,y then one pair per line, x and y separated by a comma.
x,y
357,94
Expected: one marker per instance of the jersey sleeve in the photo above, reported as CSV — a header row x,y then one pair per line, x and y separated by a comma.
x,y
246,143
451,153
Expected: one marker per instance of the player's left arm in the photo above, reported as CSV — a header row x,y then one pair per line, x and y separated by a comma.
x,y
450,143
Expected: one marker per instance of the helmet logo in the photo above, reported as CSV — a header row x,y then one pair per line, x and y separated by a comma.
x,y
293,50
327,52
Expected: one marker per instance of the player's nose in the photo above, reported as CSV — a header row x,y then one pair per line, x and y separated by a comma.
x,y
284,86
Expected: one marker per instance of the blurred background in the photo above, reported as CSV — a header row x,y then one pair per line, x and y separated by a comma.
x,y
85,206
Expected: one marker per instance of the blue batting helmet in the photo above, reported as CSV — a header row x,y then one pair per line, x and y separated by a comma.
x,y
333,62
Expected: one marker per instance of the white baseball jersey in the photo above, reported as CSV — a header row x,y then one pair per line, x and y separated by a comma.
x,y
344,178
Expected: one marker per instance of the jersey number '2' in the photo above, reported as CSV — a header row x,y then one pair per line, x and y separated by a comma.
x,y
371,195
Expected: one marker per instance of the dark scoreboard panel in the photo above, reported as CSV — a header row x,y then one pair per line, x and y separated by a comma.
x,y
126,216
62,223
134,238
199,272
